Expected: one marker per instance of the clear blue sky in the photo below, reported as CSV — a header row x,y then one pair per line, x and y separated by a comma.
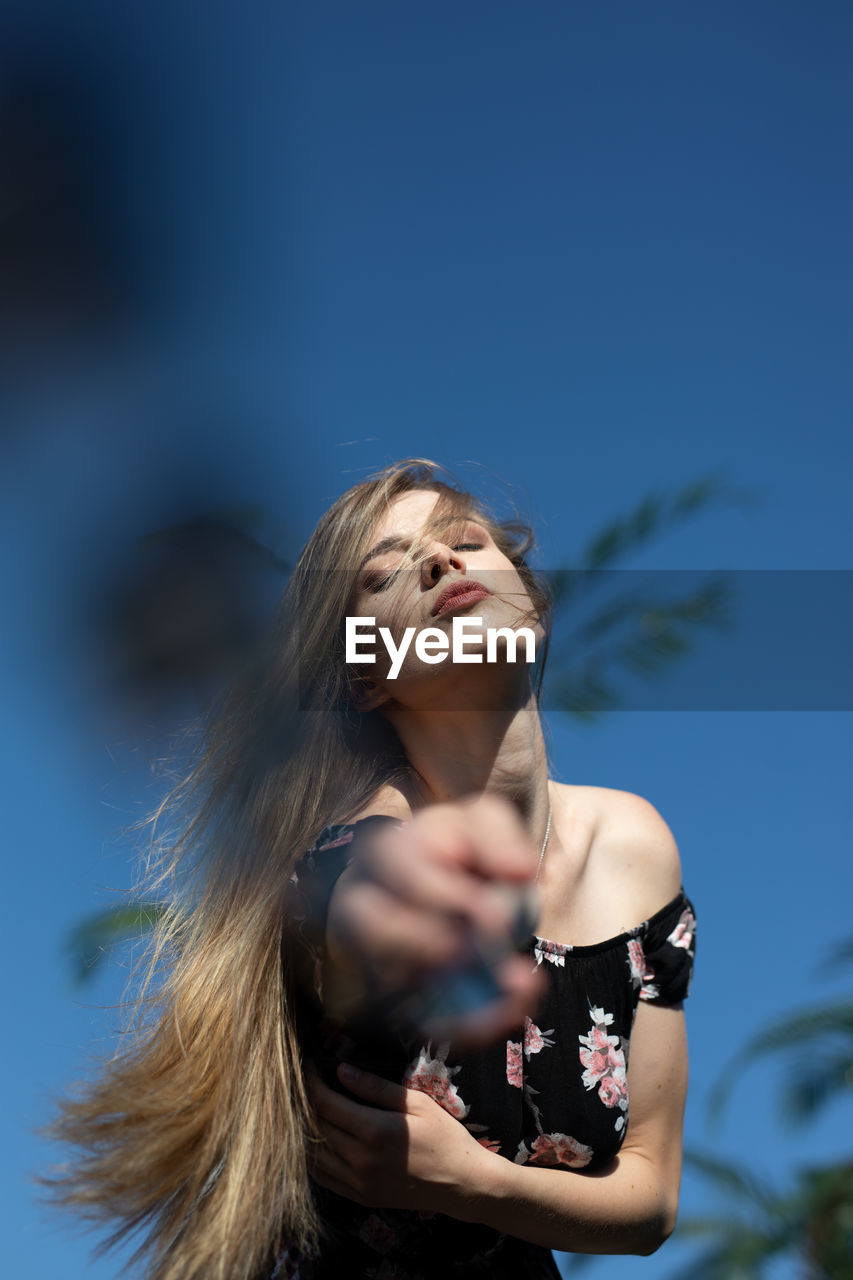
x,y
593,251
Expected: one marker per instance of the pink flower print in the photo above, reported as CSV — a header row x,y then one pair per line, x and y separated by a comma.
x,y
635,960
603,1060
377,1234
513,1063
615,1060
534,1039
554,952
599,1057
642,973
596,1067
554,1149
682,934
432,1076
612,1091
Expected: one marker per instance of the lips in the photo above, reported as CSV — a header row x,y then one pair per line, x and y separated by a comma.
x,y
459,594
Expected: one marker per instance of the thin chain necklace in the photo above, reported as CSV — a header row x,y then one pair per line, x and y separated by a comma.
x,y
544,842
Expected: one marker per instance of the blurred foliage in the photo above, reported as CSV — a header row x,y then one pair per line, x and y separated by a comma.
x,y
94,936
175,614
639,632
813,1221
178,612
817,1046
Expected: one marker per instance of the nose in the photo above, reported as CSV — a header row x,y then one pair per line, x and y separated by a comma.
x,y
438,560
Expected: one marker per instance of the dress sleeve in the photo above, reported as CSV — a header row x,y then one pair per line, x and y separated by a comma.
x,y
663,954
312,883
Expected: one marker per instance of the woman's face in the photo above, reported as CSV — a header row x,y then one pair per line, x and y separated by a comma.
x,y
458,572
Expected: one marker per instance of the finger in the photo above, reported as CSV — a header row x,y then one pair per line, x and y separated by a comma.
x,y
492,1021
356,1119
375,922
375,1090
335,1150
502,847
420,868
521,981
449,860
483,843
327,1107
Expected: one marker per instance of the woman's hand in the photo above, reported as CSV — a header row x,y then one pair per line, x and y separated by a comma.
x,y
395,1149
422,902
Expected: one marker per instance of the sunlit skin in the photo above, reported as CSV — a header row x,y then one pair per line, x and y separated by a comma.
x,y
476,809
409,598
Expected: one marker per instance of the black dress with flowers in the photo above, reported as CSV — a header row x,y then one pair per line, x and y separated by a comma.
x,y
554,1094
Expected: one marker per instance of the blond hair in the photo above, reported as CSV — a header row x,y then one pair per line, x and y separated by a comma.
x,y
194,1134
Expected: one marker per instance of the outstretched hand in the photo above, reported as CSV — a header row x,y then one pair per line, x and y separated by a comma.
x,y
395,1148
426,902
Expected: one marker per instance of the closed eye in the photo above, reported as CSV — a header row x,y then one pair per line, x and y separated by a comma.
x,y
374,583
377,584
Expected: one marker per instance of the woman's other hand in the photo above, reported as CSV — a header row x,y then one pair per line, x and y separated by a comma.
x,y
395,1148
426,901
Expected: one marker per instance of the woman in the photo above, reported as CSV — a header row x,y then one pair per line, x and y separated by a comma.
x,y
357,831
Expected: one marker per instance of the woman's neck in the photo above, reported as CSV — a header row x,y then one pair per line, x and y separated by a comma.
x,y
459,753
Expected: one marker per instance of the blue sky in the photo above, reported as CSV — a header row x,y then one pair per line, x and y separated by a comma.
x,y
591,252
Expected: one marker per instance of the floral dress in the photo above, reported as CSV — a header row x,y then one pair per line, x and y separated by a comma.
x,y
553,1094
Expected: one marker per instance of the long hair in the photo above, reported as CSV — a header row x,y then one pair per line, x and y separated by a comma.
x,y
194,1134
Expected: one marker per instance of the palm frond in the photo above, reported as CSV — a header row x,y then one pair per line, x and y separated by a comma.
x,y
840,955
811,1085
732,1181
637,633
812,1222
744,1257
827,1199
585,693
820,1029
654,514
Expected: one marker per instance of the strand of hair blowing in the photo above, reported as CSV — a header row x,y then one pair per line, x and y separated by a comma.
x,y
193,1136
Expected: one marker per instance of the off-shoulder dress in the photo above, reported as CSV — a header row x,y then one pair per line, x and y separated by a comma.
x,y
553,1094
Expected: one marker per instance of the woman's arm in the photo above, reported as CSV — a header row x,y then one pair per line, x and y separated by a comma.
x,y
441,893
631,1206
403,1151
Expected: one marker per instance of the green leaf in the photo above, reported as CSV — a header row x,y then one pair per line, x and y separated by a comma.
x,y
92,938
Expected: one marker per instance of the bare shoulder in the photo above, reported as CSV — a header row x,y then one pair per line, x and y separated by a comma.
x,y
627,867
389,800
636,848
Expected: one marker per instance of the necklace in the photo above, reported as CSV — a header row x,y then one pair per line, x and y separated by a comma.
x,y
544,842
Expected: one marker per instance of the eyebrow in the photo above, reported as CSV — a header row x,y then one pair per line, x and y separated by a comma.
x,y
396,544
386,544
